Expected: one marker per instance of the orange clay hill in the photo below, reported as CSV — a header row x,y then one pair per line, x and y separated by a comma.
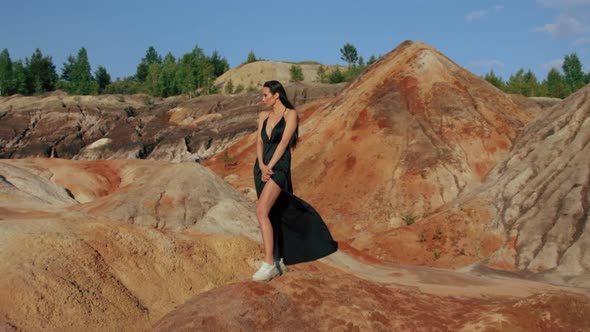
x,y
408,136
530,217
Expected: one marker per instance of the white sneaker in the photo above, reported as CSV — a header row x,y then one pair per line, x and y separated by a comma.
x,y
266,272
282,267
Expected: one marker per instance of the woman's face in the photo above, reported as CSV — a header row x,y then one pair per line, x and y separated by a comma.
x,y
268,98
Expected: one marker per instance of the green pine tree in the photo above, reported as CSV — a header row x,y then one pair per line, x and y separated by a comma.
x,y
220,64
151,57
185,74
516,83
77,72
495,80
531,85
166,86
20,78
251,57
102,78
41,75
555,84
6,74
573,74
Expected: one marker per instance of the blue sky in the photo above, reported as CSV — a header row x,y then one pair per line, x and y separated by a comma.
x,y
478,34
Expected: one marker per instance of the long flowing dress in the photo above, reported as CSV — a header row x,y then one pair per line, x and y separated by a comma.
x,y
299,233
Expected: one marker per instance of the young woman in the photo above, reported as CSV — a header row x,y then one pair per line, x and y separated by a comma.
x,y
292,230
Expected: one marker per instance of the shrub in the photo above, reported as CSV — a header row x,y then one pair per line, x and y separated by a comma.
x,y
130,111
296,73
239,88
408,218
229,87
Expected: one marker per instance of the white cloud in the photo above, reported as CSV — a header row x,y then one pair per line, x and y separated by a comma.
x,y
557,63
572,17
565,25
477,14
487,63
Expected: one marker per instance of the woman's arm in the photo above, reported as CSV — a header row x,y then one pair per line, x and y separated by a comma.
x,y
259,144
291,120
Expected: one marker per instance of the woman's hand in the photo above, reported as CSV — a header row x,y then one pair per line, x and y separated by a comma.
x,y
266,172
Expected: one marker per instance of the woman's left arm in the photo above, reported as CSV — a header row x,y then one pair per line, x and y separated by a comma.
x,y
291,124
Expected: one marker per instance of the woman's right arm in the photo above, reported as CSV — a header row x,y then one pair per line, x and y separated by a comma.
x,y
259,143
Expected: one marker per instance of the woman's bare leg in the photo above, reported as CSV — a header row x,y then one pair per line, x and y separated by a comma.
x,y
268,196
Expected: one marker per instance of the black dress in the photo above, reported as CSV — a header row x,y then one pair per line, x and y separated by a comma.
x,y
299,233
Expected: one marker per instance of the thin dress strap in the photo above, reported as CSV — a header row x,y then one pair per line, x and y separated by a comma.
x,y
268,116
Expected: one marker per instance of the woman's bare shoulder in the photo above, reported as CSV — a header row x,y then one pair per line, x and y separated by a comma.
x,y
262,115
290,112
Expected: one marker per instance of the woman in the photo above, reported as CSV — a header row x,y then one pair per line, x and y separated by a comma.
x,y
292,231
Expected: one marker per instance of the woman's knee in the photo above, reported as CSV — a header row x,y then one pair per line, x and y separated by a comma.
x,y
261,212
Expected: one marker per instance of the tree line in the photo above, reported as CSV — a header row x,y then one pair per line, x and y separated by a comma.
x,y
324,74
556,84
194,73
191,74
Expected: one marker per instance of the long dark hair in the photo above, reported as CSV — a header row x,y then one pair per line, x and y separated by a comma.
x,y
277,87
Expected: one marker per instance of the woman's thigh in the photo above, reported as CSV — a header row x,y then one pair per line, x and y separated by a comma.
x,y
268,197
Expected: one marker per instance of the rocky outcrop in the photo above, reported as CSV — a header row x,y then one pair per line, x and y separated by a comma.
x,y
528,218
133,127
539,196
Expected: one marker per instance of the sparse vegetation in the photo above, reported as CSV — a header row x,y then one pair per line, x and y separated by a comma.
x,y
436,254
148,101
130,111
408,218
227,159
308,62
251,57
421,236
321,74
437,235
336,76
229,87
239,88
296,73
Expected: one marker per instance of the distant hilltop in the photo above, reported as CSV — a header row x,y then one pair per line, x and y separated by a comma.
x,y
252,75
